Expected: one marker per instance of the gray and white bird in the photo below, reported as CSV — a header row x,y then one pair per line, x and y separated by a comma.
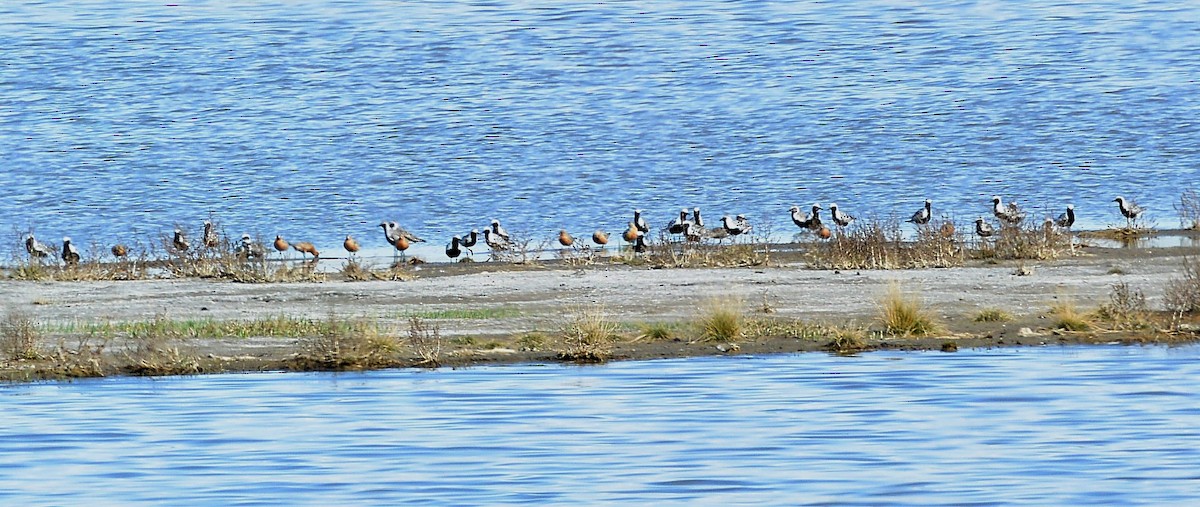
x,y
453,249
639,222
70,254
983,229
37,249
179,241
839,218
696,231
248,249
922,216
679,225
800,218
735,226
1010,214
498,231
469,240
1067,219
1129,210
495,241
211,239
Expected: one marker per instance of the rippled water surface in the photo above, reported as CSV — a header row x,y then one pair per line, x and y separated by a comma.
x,y
316,118
1045,426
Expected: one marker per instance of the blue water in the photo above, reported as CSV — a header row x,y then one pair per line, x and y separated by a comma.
x,y
315,119
1046,426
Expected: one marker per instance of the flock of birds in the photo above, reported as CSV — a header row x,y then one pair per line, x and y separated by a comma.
x,y
689,226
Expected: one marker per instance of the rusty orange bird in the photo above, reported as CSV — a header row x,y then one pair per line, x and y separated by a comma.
x,y
305,247
600,237
119,251
401,244
350,245
565,239
630,235
281,246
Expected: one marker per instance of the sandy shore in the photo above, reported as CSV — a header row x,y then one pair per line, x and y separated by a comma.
x,y
537,297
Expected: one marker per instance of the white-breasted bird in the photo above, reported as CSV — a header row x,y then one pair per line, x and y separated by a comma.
x,y
1010,214
839,218
499,231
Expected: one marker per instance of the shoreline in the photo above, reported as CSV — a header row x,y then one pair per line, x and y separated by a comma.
x,y
493,313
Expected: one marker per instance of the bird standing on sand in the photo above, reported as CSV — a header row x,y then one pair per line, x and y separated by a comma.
x,y
678,225
495,241
452,248
248,249
469,241
922,216
36,248
839,218
630,235
281,246
737,226
305,247
70,254
402,245
639,243
180,241
351,245
801,219
211,239
599,237
1129,209
1067,219
639,222
983,229
565,239
1010,214
814,223
499,231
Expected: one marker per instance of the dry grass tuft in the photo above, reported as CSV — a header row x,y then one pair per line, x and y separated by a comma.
x,y
722,319
904,315
1188,208
354,344
1028,241
993,315
1068,317
1126,308
656,332
1182,294
589,336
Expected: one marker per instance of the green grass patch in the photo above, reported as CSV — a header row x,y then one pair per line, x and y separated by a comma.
x,y
466,313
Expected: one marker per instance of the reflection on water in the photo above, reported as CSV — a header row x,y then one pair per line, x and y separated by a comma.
x,y
1080,426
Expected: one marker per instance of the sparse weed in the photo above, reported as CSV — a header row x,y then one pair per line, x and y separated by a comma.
x,y
722,319
589,336
1189,210
1126,308
426,340
1068,317
19,336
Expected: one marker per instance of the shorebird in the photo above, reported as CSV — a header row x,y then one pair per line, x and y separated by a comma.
x,y
469,240
36,248
1010,214
922,216
735,226
801,219
599,237
1067,219
630,235
393,233
839,218
351,245
947,229
678,225
639,243
248,249
814,223
70,254
401,245
452,248
211,240
692,232
1129,209
305,247
639,222
495,241
119,251
180,241
983,229
281,246
499,231
565,239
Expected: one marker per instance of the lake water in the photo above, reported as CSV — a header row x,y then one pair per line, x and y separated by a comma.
x,y
1102,425
315,119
